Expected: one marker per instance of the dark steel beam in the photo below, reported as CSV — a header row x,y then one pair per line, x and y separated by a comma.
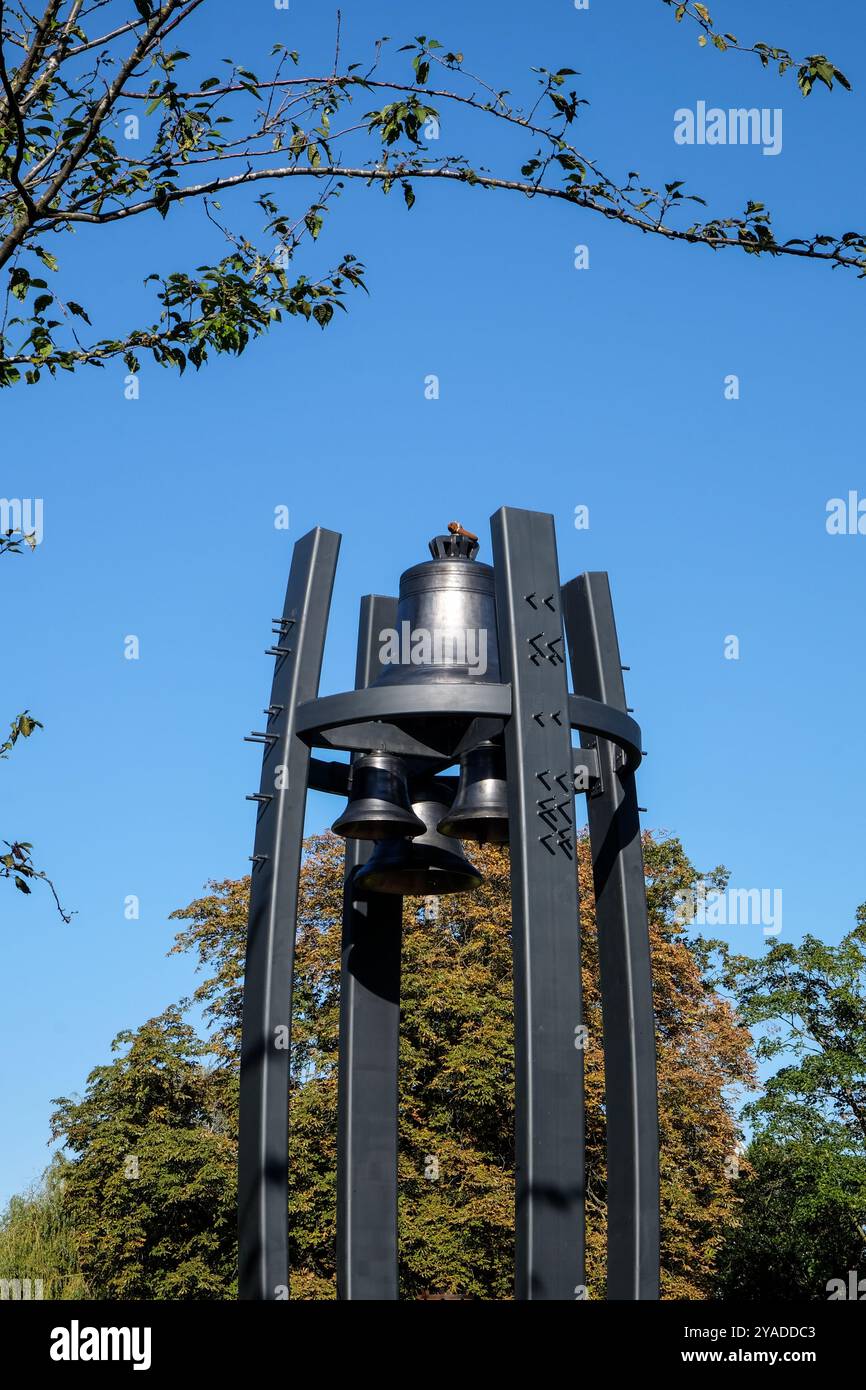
x,y
329,777
369,1047
549,1138
263,1261
624,958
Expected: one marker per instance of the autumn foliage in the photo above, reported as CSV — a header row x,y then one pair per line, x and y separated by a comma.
x,y
456,1077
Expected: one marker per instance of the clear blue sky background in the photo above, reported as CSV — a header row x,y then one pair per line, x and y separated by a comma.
x,y
558,388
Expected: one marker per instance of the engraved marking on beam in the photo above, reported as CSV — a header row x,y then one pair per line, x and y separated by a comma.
x,y
555,715
536,656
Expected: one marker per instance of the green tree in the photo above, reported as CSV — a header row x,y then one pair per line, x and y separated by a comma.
x,y
810,1002
73,84
798,1226
37,1240
804,1216
149,1189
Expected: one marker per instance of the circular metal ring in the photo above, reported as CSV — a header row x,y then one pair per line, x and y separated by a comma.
x,y
401,702
594,717
462,698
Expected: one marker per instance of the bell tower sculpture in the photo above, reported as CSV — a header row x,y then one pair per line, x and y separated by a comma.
x,y
467,669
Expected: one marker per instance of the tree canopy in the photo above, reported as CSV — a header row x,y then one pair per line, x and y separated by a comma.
x,y
142,1202
804,1212
151,1178
104,116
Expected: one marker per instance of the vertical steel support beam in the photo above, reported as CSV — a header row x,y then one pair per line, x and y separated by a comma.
x,y
624,960
549,1139
369,1047
263,1260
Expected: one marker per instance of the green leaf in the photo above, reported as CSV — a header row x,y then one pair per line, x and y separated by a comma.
x,y
46,258
19,282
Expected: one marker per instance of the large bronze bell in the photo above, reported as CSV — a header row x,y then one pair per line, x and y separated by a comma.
x,y
429,866
378,806
479,811
446,619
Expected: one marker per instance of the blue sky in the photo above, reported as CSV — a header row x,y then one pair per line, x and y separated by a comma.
x,y
559,387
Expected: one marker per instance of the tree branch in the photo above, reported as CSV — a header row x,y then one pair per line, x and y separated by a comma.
x,y
398,173
14,171
67,168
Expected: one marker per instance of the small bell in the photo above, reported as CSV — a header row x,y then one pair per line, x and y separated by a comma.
x,y
479,811
431,865
378,806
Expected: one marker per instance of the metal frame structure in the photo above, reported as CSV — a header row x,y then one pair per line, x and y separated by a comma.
x,y
538,624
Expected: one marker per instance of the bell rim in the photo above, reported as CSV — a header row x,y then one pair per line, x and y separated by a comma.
x,y
469,828
438,882
375,831
405,827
